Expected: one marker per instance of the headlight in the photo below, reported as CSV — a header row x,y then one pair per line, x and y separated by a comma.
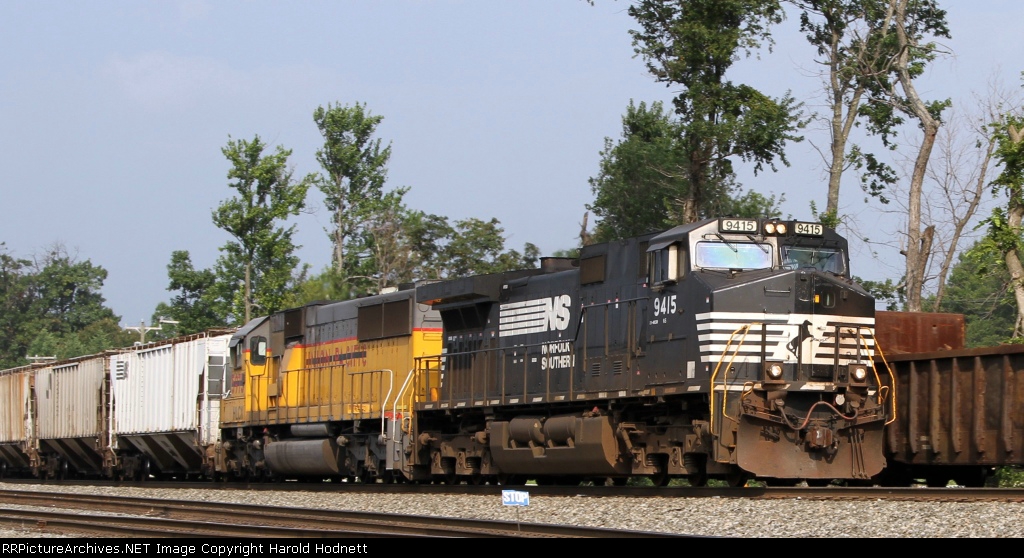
x,y
780,228
769,228
774,371
859,373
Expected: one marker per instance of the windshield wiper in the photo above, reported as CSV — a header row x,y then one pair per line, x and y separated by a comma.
x,y
727,243
758,244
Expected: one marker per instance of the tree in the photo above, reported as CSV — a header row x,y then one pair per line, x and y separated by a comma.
x,y
478,247
15,304
642,182
409,245
262,253
195,307
354,165
1004,226
692,44
387,239
428,235
639,175
52,306
979,288
903,28
66,293
964,151
849,50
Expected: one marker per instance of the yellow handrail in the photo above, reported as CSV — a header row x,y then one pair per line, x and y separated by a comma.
x,y
878,380
725,382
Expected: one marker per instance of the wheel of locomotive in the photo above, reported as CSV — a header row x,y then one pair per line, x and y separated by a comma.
x,y
144,470
506,479
660,478
476,479
64,472
698,479
699,466
3,470
737,477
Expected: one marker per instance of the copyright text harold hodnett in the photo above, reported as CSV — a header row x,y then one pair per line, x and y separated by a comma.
x,y
238,550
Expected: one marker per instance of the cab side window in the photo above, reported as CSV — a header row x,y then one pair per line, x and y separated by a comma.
x,y
258,350
668,264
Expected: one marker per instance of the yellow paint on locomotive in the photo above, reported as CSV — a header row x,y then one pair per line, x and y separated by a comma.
x,y
334,381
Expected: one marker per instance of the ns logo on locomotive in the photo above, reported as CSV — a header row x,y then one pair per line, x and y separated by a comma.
x,y
725,348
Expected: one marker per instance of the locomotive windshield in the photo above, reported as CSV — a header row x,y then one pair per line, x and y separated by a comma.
x,y
733,255
824,259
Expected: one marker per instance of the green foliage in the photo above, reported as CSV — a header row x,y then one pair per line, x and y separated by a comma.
x,y
692,44
887,291
418,246
1010,477
978,288
876,176
1010,154
478,247
639,175
830,219
15,301
354,170
1004,240
644,176
195,305
923,18
257,267
53,307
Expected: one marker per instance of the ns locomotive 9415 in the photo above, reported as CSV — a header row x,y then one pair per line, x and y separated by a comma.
x,y
726,348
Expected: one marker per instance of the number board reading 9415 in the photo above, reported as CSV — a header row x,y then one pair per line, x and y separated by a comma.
x,y
811,229
738,225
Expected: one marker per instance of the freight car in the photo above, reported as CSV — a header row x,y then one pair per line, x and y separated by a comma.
x,y
139,412
726,348
960,411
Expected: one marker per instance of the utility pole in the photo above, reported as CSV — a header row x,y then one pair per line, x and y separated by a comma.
x,y
143,329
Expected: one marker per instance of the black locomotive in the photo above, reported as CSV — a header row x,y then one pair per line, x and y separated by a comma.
x,y
726,348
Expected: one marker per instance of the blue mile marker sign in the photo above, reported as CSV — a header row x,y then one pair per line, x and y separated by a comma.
x,y
515,498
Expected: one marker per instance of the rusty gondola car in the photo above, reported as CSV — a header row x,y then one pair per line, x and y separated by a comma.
x,y
960,412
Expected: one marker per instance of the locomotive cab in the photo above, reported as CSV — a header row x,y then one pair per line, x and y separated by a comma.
x,y
784,349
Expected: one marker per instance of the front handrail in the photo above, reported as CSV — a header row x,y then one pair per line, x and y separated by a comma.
x,y
725,382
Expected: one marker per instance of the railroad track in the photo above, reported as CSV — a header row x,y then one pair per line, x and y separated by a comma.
x,y
156,517
917,493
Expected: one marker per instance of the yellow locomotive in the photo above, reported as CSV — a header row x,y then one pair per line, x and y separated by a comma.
x,y
326,390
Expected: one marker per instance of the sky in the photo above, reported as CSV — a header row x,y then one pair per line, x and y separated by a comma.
x,y
113,115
